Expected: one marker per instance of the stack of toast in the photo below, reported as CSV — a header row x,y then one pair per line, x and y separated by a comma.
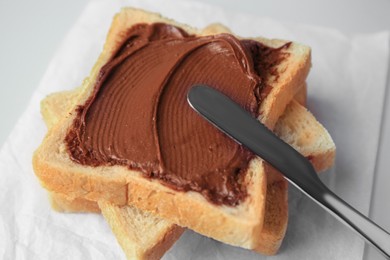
x,y
146,216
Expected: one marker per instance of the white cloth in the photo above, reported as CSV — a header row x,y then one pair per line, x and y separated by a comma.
x,y
346,90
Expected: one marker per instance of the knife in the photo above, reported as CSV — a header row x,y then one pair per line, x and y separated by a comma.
x,y
238,124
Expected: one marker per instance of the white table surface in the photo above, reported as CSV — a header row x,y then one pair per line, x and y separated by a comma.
x,y
31,31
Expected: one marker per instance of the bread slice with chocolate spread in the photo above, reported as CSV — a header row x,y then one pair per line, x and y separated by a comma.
x,y
125,221
240,224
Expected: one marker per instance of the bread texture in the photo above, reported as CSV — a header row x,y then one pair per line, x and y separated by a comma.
x,y
241,225
299,128
140,234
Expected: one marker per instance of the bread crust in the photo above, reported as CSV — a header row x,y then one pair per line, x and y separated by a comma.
x,y
276,218
301,96
62,203
299,128
240,226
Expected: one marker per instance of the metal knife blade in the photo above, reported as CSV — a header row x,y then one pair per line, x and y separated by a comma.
x,y
237,123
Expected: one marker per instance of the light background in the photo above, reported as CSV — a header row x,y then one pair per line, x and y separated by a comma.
x,y
31,31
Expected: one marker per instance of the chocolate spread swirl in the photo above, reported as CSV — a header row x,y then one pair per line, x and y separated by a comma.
x,y
138,115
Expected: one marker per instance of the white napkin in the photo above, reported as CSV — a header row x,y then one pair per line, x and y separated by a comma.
x,y
346,90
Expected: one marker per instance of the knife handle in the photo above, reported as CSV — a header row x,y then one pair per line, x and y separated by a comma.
x,y
369,230
237,123
300,172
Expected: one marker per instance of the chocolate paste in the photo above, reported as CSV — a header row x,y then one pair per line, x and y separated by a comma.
x,y
138,115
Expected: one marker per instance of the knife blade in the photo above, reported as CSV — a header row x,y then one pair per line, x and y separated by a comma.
x,y
238,124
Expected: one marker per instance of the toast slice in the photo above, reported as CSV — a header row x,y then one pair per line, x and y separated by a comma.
x,y
240,225
54,107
